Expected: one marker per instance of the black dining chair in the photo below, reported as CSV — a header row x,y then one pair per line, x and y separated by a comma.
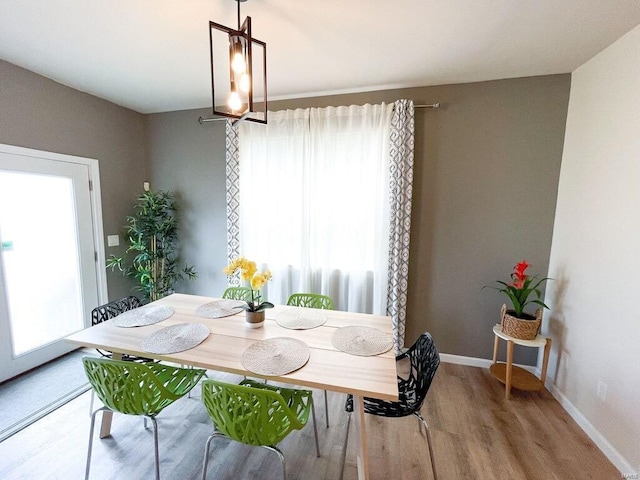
x,y
412,389
110,310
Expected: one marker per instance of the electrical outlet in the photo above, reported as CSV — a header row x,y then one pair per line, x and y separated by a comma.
x,y
113,240
602,390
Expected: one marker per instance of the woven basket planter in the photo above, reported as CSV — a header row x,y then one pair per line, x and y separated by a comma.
x,y
521,328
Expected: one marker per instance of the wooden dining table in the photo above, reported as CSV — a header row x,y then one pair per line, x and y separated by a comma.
x,y
328,368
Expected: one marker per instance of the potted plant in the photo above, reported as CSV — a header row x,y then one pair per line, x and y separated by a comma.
x,y
152,257
515,321
249,273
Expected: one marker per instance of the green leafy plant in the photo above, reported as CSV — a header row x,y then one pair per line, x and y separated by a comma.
x,y
249,272
152,254
520,288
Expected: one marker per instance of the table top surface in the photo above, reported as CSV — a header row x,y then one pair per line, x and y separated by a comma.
x,y
327,368
539,341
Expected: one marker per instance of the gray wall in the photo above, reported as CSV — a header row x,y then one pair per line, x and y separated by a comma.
x,y
486,176
189,159
487,169
38,113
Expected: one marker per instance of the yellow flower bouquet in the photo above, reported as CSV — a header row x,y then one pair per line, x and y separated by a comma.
x,y
249,272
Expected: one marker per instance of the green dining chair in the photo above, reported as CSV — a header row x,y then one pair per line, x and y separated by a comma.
x,y
296,400
137,389
237,293
255,414
311,300
314,300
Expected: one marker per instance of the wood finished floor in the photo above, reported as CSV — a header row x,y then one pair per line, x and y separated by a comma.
x,y
477,435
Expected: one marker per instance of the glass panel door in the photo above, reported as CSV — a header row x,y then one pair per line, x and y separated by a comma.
x,y
39,248
47,262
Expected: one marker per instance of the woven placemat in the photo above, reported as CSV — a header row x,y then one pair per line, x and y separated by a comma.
x,y
176,338
275,356
300,318
145,315
219,308
363,341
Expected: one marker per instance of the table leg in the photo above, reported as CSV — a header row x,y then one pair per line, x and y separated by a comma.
x,y
105,427
362,455
545,361
496,341
509,369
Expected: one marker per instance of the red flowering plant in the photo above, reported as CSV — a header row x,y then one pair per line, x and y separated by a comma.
x,y
520,288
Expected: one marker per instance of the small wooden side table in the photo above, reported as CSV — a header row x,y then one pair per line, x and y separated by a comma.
x,y
512,375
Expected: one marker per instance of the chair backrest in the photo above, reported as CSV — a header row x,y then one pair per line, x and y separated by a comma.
x,y
237,293
311,300
254,416
113,309
136,388
424,359
297,399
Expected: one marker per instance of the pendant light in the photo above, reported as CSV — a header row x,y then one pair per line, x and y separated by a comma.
x,y
238,72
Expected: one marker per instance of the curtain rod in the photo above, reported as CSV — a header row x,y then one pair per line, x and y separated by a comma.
x,y
202,120
433,105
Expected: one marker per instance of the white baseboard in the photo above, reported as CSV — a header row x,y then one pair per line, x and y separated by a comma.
x,y
469,361
477,362
601,442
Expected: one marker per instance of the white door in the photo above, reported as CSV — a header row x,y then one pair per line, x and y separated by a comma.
x,y
49,280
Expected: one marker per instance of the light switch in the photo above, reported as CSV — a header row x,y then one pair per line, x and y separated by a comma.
x,y
113,240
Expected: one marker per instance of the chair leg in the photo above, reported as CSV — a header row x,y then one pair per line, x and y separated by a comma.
x,y
93,394
205,461
426,427
189,392
182,365
155,445
93,423
326,409
281,456
315,428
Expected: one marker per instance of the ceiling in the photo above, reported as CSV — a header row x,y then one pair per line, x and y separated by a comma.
x,y
153,55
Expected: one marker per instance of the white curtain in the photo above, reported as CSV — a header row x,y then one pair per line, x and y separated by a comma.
x,y
314,202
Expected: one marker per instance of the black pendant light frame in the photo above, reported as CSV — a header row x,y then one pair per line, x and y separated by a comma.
x,y
240,38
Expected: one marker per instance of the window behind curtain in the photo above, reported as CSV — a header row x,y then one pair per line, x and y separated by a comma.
x,y
314,202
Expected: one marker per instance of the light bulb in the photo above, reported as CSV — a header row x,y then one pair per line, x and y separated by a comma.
x,y
234,101
245,84
237,64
